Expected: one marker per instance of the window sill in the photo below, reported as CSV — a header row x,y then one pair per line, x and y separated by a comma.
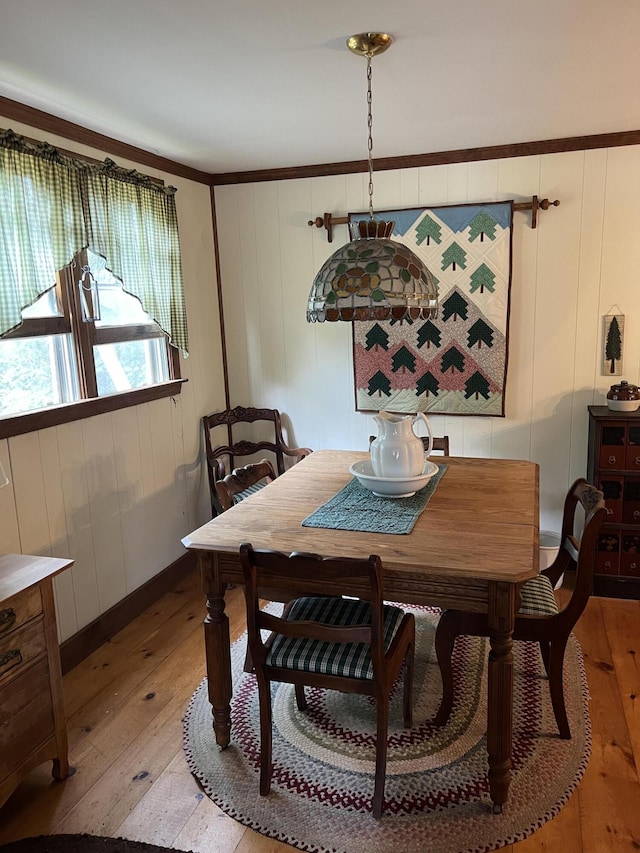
x,y
55,415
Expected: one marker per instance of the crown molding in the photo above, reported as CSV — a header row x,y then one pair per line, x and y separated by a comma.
x,y
76,133
460,155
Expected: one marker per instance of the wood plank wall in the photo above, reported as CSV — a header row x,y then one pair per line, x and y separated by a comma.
x,y
580,263
116,492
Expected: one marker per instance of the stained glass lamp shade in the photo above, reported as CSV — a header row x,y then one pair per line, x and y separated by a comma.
x,y
372,278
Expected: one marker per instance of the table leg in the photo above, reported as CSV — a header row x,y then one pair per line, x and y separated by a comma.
x,y
500,693
217,648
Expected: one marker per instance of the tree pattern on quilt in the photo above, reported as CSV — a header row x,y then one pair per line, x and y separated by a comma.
x,y
455,363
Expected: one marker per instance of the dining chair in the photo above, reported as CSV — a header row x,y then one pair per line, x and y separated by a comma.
x,y
355,645
440,443
243,482
234,442
539,618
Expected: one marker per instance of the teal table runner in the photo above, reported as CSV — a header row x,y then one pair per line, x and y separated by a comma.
x,y
356,508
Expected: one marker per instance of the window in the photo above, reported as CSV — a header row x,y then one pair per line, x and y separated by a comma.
x,y
85,344
72,345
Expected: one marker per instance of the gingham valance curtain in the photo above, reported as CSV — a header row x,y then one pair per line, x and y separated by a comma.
x,y
52,206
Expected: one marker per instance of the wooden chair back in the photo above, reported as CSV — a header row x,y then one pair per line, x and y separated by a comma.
x,y
372,675
266,568
540,618
578,555
222,450
241,480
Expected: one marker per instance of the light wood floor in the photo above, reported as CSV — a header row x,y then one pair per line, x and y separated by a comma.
x,y
124,708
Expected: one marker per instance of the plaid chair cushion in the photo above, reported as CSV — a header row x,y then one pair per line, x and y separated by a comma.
x,y
347,659
538,598
250,490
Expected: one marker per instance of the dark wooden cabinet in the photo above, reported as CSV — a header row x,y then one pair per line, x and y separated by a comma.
x,y
614,466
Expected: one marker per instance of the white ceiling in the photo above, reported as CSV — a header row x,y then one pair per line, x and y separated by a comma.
x,y
234,85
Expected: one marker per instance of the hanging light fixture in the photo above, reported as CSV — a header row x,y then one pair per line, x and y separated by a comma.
x,y
373,277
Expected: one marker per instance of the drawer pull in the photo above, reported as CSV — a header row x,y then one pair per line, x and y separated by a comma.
x,y
7,618
12,657
612,460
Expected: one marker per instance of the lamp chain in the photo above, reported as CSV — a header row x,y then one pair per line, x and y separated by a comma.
x,y
370,137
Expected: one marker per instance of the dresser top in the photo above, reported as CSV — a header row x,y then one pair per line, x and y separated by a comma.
x,y
20,571
606,412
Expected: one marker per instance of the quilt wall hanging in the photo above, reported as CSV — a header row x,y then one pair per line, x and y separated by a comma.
x,y
457,363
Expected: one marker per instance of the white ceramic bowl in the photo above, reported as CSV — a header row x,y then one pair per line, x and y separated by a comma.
x,y
391,487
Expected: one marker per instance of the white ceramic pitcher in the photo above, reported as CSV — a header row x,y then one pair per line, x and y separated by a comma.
x,y
397,451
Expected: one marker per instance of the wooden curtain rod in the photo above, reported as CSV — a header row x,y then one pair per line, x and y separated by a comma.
x,y
329,220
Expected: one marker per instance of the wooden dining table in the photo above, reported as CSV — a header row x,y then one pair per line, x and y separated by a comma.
x,y
471,548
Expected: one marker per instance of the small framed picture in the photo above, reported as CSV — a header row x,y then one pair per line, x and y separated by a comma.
x,y
612,344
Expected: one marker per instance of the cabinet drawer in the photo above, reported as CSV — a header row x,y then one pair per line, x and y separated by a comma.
x,y
608,553
630,555
632,462
18,609
613,446
612,487
20,647
26,716
631,508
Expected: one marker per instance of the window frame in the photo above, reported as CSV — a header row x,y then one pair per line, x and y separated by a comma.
x,y
85,335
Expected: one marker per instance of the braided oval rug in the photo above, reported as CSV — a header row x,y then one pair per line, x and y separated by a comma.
x,y
436,793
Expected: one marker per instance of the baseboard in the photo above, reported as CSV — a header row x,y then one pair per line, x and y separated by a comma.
x,y
93,635
612,586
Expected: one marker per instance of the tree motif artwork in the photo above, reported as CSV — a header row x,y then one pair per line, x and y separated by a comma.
x,y
429,335
476,385
454,256
482,226
482,278
377,337
613,349
428,230
452,360
455,306
480,333
454,363
427,384
379,384
613,337
403,359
